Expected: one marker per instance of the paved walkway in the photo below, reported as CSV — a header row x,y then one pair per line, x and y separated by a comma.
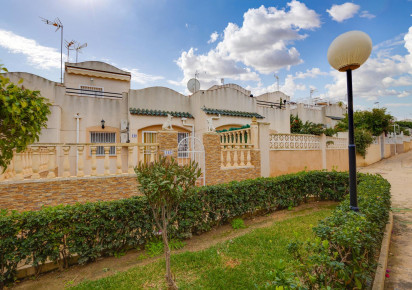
x,y
398,171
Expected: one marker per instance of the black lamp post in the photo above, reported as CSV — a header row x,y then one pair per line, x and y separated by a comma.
x,y
346,53
102,122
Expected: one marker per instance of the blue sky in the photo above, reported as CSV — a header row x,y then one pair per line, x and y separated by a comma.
x,y
163,43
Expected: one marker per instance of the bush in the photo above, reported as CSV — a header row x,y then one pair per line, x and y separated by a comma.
x,y
363,139
343,254
99,229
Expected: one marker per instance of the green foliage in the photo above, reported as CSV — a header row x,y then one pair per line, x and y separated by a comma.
x,y
405,124
298,127
366,124
23,113
343,254
155,247
376,121
166,184
97,229
238,223
363,138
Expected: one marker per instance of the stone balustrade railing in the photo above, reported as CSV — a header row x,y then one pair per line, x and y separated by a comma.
x,y
236,137
236,148
336,143
294,142
78,160
235,156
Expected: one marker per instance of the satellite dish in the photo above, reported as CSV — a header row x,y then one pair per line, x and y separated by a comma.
x,y
193,85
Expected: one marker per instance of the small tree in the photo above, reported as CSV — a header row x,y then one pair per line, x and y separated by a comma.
x,y
166,185
23,113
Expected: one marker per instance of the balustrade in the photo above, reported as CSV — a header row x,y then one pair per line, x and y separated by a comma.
x,y
236,156
76,160
294,142
235,148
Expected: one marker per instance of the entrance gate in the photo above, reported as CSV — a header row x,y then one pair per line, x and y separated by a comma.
x,y
191,149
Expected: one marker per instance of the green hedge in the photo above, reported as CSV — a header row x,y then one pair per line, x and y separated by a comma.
x,y
343,256
99,229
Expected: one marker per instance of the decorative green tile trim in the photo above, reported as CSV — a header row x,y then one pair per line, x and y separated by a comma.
x,y
148,112
231,113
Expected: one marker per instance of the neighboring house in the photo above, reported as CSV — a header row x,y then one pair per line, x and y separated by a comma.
x,y
95,91
324,113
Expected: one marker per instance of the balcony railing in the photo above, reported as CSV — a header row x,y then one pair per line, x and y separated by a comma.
x,y
93,93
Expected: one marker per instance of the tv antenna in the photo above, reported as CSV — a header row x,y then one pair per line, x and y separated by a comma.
x,y
58,24
277,80
311,92
69,46
79,49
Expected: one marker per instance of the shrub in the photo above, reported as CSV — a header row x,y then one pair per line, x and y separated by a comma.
x,y
363,139
343,254
99,229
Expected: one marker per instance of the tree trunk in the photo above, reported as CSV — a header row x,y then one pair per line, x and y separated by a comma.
x,y
169,279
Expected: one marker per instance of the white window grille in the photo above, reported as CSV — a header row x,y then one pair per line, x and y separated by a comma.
x,y
103,137
184,147
91,91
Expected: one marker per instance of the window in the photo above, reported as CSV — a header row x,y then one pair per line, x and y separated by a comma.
x,y
91,91
184,147
103,137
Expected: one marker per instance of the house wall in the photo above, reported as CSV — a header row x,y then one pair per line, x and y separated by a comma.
x,y
279,119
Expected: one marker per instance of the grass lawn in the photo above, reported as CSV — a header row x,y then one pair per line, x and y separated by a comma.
x,y
245,262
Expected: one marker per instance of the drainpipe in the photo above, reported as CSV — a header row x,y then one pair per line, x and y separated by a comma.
x,y
77,117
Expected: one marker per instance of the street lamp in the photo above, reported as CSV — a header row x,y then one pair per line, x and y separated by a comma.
x,y
348,52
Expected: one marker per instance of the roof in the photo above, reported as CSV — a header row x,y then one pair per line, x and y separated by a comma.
x,y
231,113
148,112
335,118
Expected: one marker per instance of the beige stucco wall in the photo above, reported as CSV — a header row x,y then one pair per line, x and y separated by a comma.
x,y
274,97
47,88
159,98
283,162
315,115
337,160
387,152
373,154
279,119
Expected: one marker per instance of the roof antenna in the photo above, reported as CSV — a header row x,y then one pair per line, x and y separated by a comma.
x,y
69,47
277,80
57,23
79,49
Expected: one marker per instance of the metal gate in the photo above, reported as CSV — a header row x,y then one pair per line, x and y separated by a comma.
x,y
191,149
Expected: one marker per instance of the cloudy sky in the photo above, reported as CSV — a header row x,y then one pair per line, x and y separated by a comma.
x,y
165,42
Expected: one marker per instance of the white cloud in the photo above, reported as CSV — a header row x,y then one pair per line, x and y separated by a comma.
x,y
263,43
383,74
213,37
142,78
366,14
342,12
398,105
37,55
290,86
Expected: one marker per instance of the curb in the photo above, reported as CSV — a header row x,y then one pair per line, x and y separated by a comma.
x,y
379,281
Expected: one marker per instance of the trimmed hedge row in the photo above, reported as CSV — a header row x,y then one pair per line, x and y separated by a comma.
x,y
343,256
99,229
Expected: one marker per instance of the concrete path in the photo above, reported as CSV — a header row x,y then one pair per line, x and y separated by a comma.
x,y
398,171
